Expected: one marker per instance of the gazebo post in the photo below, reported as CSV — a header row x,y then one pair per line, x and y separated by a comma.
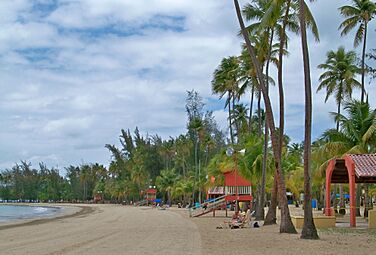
x,y
328,180
351,172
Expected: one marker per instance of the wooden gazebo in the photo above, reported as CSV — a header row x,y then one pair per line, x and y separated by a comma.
x,y
350,169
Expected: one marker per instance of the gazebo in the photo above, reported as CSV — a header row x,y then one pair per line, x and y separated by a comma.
x,y
352,168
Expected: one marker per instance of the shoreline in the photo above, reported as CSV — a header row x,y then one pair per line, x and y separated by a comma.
x,y
115,229
67,211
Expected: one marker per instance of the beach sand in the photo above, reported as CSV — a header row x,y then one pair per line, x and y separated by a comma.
x,y
116,229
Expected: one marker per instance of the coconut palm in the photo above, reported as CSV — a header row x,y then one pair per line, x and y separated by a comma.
x,y
256,11
357,133
286,223
309,230
339,76
239,115
225,81
361,12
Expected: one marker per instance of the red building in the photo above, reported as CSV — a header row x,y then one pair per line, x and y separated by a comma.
x,y
235,188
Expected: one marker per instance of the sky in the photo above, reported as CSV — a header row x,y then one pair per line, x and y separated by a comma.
x,y
73,73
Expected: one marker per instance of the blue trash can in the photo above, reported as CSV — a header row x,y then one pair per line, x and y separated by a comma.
x,y
314,203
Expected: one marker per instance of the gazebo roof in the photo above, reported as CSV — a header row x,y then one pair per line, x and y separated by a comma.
x,y
365,164
364,168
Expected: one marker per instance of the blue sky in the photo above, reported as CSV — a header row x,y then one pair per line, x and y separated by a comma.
x,y
73,73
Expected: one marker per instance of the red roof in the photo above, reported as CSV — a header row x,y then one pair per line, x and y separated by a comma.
x,y
365,164
151,191
234,179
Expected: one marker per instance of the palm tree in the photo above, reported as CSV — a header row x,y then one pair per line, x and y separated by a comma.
x,y
339,77
239,115
225,81
286,223
256,11
166,182
360,12
357,132
309,230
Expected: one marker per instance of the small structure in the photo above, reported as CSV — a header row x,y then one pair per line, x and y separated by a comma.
x,y
235,188
151,194
350,169
98,197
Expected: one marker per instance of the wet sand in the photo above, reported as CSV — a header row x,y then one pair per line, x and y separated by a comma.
x,y
116,229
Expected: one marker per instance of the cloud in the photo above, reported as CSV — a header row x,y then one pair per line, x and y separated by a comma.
x,y
73,73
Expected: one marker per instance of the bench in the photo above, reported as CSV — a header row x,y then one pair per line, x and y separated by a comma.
x,y
372,218
320,221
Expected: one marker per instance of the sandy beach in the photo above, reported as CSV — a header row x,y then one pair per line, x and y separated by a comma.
x,y
116,229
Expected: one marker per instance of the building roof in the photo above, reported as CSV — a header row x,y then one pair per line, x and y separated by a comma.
x,y
234,179
151,191
365,164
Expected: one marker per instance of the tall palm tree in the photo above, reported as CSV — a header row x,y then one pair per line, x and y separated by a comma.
x,y
309,230
339,76
256,11
286,223
225,81
281,15
339,79
361,12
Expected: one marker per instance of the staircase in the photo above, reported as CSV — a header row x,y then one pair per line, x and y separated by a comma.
x,y
211,205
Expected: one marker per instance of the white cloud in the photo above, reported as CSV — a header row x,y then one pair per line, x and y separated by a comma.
x,y
72,75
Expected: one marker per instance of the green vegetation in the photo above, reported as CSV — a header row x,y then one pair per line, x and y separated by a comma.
x,y
182,167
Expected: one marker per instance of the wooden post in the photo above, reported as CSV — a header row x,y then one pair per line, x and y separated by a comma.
x,y
352,198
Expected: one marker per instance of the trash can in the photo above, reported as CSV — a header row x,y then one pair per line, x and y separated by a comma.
x,y
314,203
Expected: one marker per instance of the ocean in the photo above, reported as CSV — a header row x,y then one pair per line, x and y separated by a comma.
x,y
17,212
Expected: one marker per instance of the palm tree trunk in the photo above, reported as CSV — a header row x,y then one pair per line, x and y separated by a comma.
x,y
229,117
366,200
338,113
251,109
286,223
259,114
309,230
260,213
363,61
280,80
271,216
358,192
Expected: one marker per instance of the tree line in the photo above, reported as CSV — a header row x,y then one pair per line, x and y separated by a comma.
x,y
182,167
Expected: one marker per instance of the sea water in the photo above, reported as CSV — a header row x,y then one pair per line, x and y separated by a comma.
x,y
19,212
